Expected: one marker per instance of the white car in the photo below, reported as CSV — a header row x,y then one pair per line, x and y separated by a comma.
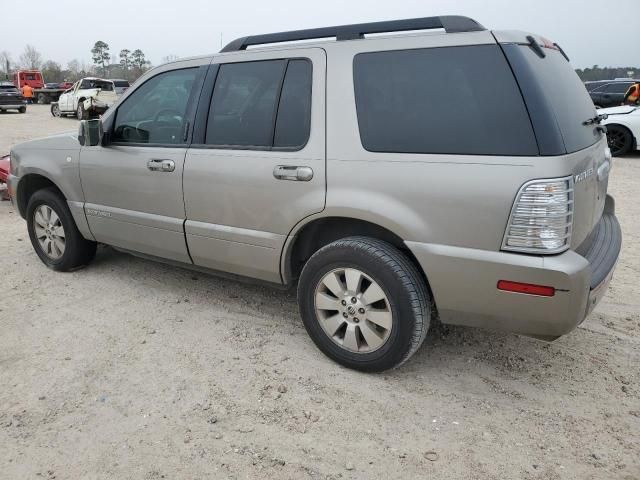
x,y
88,97
623,128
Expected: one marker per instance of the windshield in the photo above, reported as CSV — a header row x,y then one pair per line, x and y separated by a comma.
x,y
8,88
101,84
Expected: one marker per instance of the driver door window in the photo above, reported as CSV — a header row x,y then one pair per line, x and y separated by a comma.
x,y
156,112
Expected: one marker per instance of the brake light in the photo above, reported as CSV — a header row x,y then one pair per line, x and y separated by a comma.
x,y
526,288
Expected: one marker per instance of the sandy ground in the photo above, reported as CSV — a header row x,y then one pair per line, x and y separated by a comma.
x,y
132,369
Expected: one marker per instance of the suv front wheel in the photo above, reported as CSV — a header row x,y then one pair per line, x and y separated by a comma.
x,y
364,303
54,234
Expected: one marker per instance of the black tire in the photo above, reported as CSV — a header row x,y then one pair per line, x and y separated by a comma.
x,y
81,113
78,251
55,110
22,109
619,139
400,280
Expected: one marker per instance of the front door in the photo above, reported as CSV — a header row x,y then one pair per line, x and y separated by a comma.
x,y
133,185
260,166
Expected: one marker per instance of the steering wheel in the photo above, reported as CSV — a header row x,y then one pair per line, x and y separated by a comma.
x,y
172,113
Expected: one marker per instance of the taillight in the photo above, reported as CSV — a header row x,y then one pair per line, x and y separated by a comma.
x,y
541,218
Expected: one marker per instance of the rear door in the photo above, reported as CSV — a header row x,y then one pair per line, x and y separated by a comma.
x,y
257,165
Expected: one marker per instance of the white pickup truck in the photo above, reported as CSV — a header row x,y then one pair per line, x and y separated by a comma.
x,y
88,97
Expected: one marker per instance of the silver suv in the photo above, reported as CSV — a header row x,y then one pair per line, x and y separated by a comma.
x,y
459,174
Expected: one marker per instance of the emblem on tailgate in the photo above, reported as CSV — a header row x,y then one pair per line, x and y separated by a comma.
x,y
581,177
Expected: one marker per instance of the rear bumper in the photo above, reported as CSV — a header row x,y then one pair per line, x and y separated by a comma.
x,y
464,283
11,106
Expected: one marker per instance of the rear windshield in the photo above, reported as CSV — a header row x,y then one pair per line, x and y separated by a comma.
x,y
121,83
10,88
448,100
101,84
551,84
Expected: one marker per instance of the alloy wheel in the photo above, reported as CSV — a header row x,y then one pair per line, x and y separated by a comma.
x,y
49,232
616,140
353,310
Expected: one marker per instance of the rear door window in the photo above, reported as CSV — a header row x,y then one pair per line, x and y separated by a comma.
x,y
449,100
263,104
618,87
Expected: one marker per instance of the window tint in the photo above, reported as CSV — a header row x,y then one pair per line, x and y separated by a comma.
x,y
261,104
562,91
618,87
156,111
451,100
294,112
243,106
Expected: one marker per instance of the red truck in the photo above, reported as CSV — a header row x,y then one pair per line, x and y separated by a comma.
x,y
34,79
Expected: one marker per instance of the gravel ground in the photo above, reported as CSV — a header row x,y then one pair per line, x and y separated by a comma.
x,y
133,369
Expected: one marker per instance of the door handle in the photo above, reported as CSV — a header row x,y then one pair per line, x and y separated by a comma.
x,y
161,165
293,173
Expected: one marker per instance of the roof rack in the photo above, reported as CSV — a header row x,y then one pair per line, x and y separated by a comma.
x,y
450,23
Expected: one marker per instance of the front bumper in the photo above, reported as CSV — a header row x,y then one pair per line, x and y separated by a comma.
x,y
464,283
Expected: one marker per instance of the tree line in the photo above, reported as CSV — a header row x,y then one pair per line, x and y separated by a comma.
x,y
127,64
607,73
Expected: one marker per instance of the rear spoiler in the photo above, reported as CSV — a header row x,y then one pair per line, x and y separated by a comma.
x,y
537,43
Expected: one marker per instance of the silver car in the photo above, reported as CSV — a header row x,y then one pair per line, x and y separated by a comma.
x,y
459,175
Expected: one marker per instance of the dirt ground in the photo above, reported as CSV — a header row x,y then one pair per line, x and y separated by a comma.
x,y
133,369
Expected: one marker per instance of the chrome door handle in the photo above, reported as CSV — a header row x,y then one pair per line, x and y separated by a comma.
x,y
293,173
161,165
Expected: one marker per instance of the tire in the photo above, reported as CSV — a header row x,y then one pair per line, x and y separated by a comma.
x,y
22,109
619,139
77,251
81,113
406,298
55,110
42,98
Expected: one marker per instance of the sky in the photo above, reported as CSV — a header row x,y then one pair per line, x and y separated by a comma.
x,y
63,30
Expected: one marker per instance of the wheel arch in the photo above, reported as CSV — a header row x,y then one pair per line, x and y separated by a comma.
x,y
28,185
315,233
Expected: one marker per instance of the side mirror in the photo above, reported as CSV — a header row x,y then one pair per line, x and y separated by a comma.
x,y
90,132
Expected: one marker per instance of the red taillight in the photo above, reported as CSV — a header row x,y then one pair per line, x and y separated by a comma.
x,y
527,288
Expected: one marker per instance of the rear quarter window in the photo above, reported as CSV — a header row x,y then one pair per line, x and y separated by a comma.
x,y
448,100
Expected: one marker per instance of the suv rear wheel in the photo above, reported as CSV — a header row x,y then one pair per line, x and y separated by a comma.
x,y
54,234
364,303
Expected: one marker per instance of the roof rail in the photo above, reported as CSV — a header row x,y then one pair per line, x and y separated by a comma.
x,y
450,23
